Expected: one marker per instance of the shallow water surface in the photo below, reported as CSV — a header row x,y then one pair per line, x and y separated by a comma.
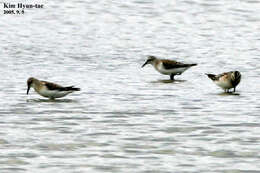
x,y
127,118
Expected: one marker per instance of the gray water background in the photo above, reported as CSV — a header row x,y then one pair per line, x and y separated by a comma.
x,y
127,118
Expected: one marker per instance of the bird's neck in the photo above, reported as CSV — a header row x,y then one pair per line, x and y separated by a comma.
x,y
156,62
36,84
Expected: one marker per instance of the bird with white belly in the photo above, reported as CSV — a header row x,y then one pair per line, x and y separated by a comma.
x,y
168,67
226,80
48,89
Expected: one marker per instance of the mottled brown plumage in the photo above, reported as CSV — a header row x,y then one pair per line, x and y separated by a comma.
x,y
53,86
226,80
170,64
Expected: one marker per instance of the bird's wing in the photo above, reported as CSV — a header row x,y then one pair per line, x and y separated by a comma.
x,y
53,86
170,64
222,75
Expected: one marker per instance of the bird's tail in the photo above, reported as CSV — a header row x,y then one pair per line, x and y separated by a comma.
x,y
211,76
72,88
193,65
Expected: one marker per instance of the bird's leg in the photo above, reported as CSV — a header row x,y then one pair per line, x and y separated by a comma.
x,y
234,89
172,76
227,90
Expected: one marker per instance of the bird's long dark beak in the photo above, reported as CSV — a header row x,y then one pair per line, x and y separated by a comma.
x,y
28,89
144,64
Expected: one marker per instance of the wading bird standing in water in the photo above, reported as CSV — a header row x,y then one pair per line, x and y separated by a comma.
x,y
168,67
226,80
48,89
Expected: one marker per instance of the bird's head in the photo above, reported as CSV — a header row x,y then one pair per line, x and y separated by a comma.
x,y
150,60
236,74
30,83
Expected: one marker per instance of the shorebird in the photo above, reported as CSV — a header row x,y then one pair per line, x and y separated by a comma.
x,y
167,67
48,89
226,80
